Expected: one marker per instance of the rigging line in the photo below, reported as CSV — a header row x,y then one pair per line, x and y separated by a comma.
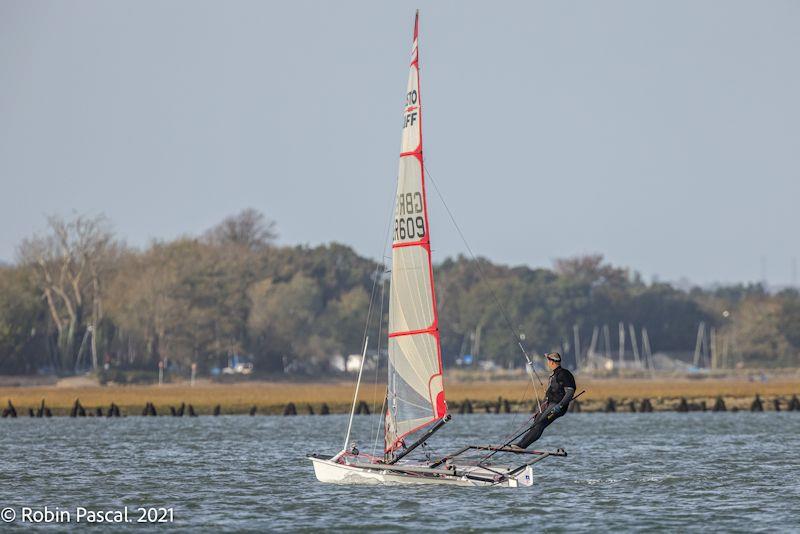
x,y
378,267
489,454
377,360
485,280
378,430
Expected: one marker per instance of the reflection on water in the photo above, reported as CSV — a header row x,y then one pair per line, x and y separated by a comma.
x,y
661,470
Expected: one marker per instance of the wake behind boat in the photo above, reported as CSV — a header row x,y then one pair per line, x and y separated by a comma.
x,y
415,398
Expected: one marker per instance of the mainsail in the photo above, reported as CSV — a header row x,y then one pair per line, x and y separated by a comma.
x,y
415,395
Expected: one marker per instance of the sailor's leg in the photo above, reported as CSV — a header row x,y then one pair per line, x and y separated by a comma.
x,y
533,434
536,430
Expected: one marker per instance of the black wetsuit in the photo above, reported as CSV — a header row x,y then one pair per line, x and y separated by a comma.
x,y
559,394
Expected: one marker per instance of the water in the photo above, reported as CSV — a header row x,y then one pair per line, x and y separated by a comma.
x,y
665,471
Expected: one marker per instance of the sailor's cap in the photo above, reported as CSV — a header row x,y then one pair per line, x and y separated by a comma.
x,y
553,357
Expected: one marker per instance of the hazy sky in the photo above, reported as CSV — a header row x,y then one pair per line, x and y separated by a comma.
x,y
665,135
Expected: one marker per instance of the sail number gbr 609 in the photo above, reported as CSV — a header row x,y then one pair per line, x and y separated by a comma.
x,y
409,221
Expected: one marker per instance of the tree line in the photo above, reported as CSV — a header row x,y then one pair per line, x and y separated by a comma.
x,y
78,298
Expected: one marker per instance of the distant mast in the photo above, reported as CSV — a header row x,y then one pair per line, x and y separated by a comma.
x,y
415,396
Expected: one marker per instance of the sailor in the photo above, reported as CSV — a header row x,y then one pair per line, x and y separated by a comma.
x,y
559,394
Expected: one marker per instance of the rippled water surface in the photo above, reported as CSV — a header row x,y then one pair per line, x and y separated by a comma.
x,y
670,471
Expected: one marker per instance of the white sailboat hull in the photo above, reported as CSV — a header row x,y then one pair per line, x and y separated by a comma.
x,y
333,472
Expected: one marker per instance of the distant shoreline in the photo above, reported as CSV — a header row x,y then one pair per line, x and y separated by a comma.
x,y
272,397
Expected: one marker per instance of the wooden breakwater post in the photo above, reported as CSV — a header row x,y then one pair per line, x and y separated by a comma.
x,y
218,410
77,409
44,410
646,406
682,406
632,406
362,408
611,406
465,407
719,405
325,409
10,411
179,411
191,411
506,406
290,409
113,411
794,404
777,404
757,405
253,410
149,410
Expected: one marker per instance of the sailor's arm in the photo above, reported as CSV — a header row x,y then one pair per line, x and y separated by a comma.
x,y
563,404
568,394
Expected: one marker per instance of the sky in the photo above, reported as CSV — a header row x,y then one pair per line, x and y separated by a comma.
x,y
663,135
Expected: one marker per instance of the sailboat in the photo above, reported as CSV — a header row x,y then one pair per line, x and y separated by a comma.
x,y
415,400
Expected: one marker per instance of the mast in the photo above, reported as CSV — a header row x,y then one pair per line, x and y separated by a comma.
x,y
415,386
355,395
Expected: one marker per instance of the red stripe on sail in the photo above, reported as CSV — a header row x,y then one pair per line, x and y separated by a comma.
x,y
429,330
410,244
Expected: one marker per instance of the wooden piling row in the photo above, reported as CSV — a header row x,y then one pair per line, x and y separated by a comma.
x,y
500,406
